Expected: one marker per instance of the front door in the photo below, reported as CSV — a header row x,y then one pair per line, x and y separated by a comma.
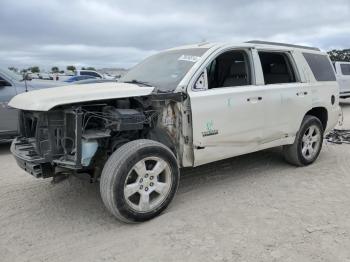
x,y
227,114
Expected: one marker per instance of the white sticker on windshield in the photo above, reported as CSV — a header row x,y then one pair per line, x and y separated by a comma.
x,y
189,58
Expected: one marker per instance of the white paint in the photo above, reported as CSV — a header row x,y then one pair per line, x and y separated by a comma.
x,y
343,80
46,99
247,126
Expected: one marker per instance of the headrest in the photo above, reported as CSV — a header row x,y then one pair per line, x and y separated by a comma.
x,y
278,69
238,68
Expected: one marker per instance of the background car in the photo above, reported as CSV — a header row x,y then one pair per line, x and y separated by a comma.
x,y
343,77
88,73
12,84
79,78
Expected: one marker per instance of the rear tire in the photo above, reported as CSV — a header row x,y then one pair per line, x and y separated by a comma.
x,y
139,180
308,143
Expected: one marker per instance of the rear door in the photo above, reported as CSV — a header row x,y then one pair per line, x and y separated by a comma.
x,y
287,96
227,115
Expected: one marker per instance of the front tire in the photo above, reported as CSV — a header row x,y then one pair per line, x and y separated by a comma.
x,y
308,143
139,180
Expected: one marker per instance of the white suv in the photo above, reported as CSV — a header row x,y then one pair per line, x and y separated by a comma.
x,y
343,76
183,107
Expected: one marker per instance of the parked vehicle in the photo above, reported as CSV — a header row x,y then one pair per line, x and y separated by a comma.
x,y
343,76
79,78
183,107
94,81
45,76
12,84
88,73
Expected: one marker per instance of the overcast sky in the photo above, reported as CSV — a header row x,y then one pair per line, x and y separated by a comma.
x,y
112,33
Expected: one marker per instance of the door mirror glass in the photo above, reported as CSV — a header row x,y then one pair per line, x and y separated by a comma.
x,y
202,82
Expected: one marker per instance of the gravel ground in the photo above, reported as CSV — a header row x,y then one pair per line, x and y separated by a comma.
x,y
249,208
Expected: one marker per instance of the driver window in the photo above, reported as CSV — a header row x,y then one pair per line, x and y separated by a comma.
x,y
229,69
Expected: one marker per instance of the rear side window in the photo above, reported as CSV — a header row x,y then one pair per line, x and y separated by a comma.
x,y
320,66
345,69
277,68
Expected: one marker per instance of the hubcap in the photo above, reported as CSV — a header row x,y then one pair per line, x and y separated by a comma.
x,y
311,142
148,184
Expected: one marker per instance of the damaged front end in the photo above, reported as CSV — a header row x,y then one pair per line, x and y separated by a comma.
x,y
80,138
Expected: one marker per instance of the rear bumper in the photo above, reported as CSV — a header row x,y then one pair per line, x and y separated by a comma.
x,y
24,153
334,115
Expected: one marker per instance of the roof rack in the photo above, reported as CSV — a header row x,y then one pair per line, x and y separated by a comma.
x,y
282,44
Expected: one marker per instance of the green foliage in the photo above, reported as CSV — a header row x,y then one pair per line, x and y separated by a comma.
x,y
91,68
14,69
55,69
71,68
35,69
340,55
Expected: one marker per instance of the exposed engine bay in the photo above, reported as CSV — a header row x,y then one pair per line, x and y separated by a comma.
x,y
80,138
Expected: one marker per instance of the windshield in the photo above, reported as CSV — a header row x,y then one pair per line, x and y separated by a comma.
x,y
10,74
164,70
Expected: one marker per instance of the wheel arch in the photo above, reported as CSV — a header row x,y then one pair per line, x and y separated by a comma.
x,y
162,136
321,113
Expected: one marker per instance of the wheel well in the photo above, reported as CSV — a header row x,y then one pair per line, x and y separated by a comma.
x,y
160,135
321,113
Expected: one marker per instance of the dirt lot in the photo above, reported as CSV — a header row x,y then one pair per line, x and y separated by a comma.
x,y
250,208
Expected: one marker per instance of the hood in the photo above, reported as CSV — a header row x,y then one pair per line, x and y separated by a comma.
x,y
46,99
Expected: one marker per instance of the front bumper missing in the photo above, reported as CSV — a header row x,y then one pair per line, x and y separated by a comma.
x,y
23,150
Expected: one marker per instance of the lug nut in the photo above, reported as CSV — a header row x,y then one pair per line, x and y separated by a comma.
x,y
146,175
151,177
141,180
151,184
146,189
141,186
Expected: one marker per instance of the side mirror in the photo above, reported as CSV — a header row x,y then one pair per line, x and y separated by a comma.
x,y
202,82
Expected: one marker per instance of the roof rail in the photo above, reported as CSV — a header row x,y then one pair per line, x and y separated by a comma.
x,y
282,44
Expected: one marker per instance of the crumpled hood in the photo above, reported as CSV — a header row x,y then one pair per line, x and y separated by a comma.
x,y
46,99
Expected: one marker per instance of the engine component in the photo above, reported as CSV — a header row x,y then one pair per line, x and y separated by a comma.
x,y
124,119
88,150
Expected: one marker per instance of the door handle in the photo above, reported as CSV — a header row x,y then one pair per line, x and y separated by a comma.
x,y
254,99
303,93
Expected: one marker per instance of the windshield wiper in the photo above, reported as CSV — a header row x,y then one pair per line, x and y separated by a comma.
x,y
134,81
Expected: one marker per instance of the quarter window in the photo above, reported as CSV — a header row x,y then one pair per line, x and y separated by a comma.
x,y
320,66
277,68
345,69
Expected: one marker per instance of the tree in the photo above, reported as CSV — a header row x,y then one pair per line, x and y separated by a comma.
x,y
35,69
14,69
91,68
83,68
340,55
71,68
55,69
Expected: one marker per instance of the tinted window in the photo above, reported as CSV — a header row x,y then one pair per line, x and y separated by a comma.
x,y
320,66
345,69
277,68
229,69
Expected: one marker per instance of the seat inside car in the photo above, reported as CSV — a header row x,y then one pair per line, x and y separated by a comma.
x,y
237,75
